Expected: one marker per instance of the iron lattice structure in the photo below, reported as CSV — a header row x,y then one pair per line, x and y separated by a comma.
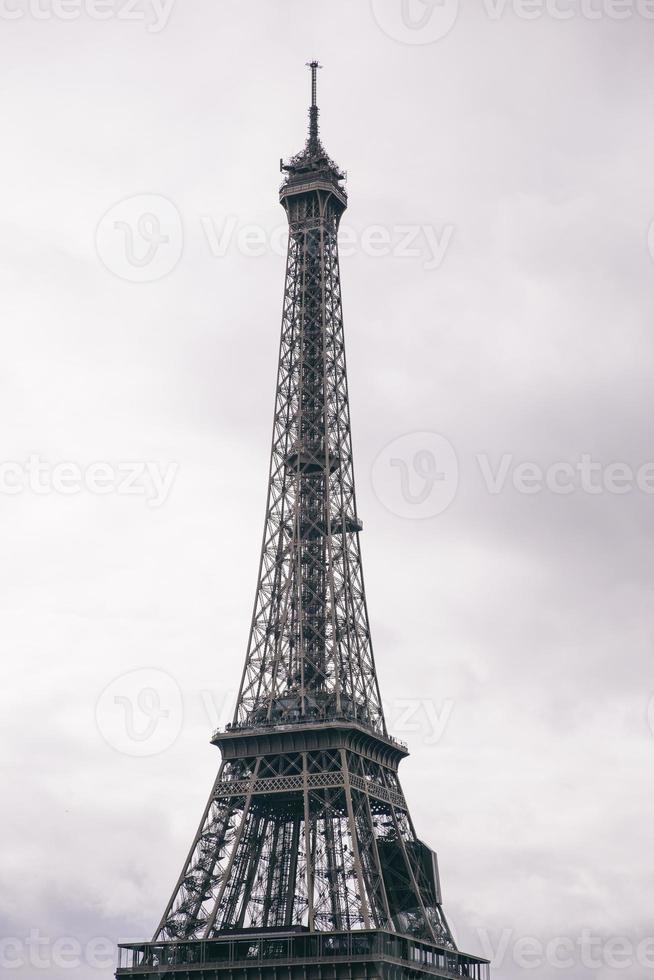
x,y
307,828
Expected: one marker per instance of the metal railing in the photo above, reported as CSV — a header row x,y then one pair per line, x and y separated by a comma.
x,y
289,948
300,186
288,724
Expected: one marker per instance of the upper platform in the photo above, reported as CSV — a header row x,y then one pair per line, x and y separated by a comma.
x,y
295,955
238,741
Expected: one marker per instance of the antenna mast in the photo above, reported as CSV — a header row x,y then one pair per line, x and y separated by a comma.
x,y
313,111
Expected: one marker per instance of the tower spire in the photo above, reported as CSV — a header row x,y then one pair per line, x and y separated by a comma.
x,y
313,110
313,158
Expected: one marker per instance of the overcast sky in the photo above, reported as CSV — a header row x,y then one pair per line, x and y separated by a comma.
x,y
497,289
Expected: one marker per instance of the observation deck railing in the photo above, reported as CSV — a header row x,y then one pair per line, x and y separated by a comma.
x,y
290,723
288,948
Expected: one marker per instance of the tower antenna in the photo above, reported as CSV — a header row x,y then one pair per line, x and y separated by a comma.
x,y
313,111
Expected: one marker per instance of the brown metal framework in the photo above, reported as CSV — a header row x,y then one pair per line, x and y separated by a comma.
x,y
307,827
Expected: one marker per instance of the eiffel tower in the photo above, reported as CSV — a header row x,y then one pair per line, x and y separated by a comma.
x,y
306,863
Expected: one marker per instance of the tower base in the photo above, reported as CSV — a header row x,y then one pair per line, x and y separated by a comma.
x,y
298,955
